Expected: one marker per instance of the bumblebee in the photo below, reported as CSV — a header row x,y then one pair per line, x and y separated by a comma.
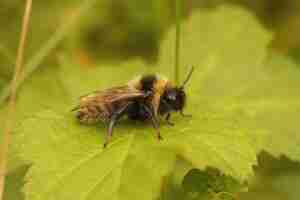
x,y
148,97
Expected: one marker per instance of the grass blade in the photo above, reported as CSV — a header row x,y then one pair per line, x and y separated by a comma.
x,y
10,118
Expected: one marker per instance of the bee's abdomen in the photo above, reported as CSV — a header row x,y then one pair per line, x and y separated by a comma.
x,y
92,114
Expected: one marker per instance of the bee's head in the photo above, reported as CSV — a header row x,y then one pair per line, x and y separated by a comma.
x,y
175,98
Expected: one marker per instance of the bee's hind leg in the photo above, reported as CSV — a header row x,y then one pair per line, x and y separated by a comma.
x,y
111,125
112,121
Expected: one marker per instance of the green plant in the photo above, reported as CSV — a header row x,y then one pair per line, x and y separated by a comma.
x,y
242,99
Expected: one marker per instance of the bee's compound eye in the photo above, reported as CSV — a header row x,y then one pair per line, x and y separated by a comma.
x,y
172,97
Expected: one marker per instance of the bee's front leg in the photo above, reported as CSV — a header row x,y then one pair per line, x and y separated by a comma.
x,y
168,120
184,115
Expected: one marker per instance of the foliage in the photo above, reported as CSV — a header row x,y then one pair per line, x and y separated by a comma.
x,y
276,178
241,100
14,183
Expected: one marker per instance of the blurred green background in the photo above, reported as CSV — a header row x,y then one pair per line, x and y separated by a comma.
x,y
115,30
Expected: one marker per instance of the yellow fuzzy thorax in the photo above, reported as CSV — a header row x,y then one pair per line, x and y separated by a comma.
x,y
159,87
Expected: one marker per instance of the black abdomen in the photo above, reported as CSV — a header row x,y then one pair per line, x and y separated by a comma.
x,y
136,111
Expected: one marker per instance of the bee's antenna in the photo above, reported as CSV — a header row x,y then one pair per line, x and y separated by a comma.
x,y
188,77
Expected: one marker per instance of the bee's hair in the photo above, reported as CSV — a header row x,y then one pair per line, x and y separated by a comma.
x,y
147,82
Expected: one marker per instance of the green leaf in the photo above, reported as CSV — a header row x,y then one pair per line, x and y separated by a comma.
x,y
172,184
237,75
210,184
73,160
14,183
231,97
275,178
279,113
200,184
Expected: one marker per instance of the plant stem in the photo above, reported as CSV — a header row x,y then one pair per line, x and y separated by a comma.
x,y
10,118
177,40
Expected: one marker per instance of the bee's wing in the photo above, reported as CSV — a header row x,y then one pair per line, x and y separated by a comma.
x,y
112,95
120,93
